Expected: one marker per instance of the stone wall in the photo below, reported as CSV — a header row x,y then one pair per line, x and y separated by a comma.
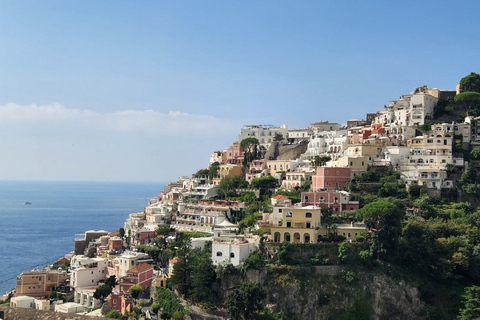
x,y
26,314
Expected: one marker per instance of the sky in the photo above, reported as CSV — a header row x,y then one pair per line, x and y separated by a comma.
x,y
147,90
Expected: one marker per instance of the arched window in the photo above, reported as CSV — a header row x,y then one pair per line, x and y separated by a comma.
x,y
288,214
232,255
308,215
219,253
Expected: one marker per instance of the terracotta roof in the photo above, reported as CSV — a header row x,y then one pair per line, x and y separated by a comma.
x,y
140,268
280,197
114,233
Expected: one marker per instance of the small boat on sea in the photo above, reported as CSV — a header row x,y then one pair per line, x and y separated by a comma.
x,y
28,202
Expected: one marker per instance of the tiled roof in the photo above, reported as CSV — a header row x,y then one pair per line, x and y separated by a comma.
x,y
115,233
280,197
140,268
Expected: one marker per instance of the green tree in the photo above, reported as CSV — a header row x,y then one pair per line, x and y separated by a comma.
x,y
471,303
135,291
203,276
227,186
475,153
470,83
385,221
102,292
319,161
278,137
246,302
264,183
213,170
182,270
250,148
468,100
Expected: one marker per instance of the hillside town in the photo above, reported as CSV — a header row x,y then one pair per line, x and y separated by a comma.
x,y
309,175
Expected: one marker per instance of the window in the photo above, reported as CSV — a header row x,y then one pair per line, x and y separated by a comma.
x,y
289,224
308,215
306,199
287,237
280,210
288,214
232,255
219,253
308,225
424,175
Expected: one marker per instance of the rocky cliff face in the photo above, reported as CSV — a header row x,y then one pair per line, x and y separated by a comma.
x,y
330,292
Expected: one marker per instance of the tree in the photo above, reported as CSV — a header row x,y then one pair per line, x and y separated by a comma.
x,y
227,186
250,148
319,161
203,276
475,153
213,170
471,303
102,292
182,270
135,291
246,302
385,221
468,99
278,137
470,83
267,182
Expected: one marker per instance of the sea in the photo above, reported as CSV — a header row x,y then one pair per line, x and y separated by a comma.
x,y
39,219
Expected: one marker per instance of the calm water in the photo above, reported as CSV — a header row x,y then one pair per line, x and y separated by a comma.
x,y
38,234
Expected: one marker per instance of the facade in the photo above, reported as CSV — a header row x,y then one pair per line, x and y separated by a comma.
x,y
38,283
233,249
87,272
141,275
298,225
338,201
84,297
82,240
257,169
227,170
69,307
357,165
330,178
263,133
296,178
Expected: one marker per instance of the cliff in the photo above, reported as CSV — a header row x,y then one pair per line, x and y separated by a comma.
x,y
332,292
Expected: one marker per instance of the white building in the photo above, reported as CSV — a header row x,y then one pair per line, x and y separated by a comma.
x,y
84,296
69,307
22,302
86,271
263,133
233,249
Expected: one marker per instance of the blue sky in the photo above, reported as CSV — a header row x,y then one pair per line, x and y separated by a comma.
x,y
147,90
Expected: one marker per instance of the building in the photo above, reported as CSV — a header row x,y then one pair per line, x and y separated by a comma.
x,y
82,240
298,225
257,169
233,249
39,283
338,201
141,275
297,178
330,178
265,134
87,272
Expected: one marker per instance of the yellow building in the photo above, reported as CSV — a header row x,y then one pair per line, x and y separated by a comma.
x,y
227,170
298,225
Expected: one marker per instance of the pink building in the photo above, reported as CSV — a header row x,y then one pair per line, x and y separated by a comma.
x,y
338,201
141,275
233,155
330,178
143,236
257,169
